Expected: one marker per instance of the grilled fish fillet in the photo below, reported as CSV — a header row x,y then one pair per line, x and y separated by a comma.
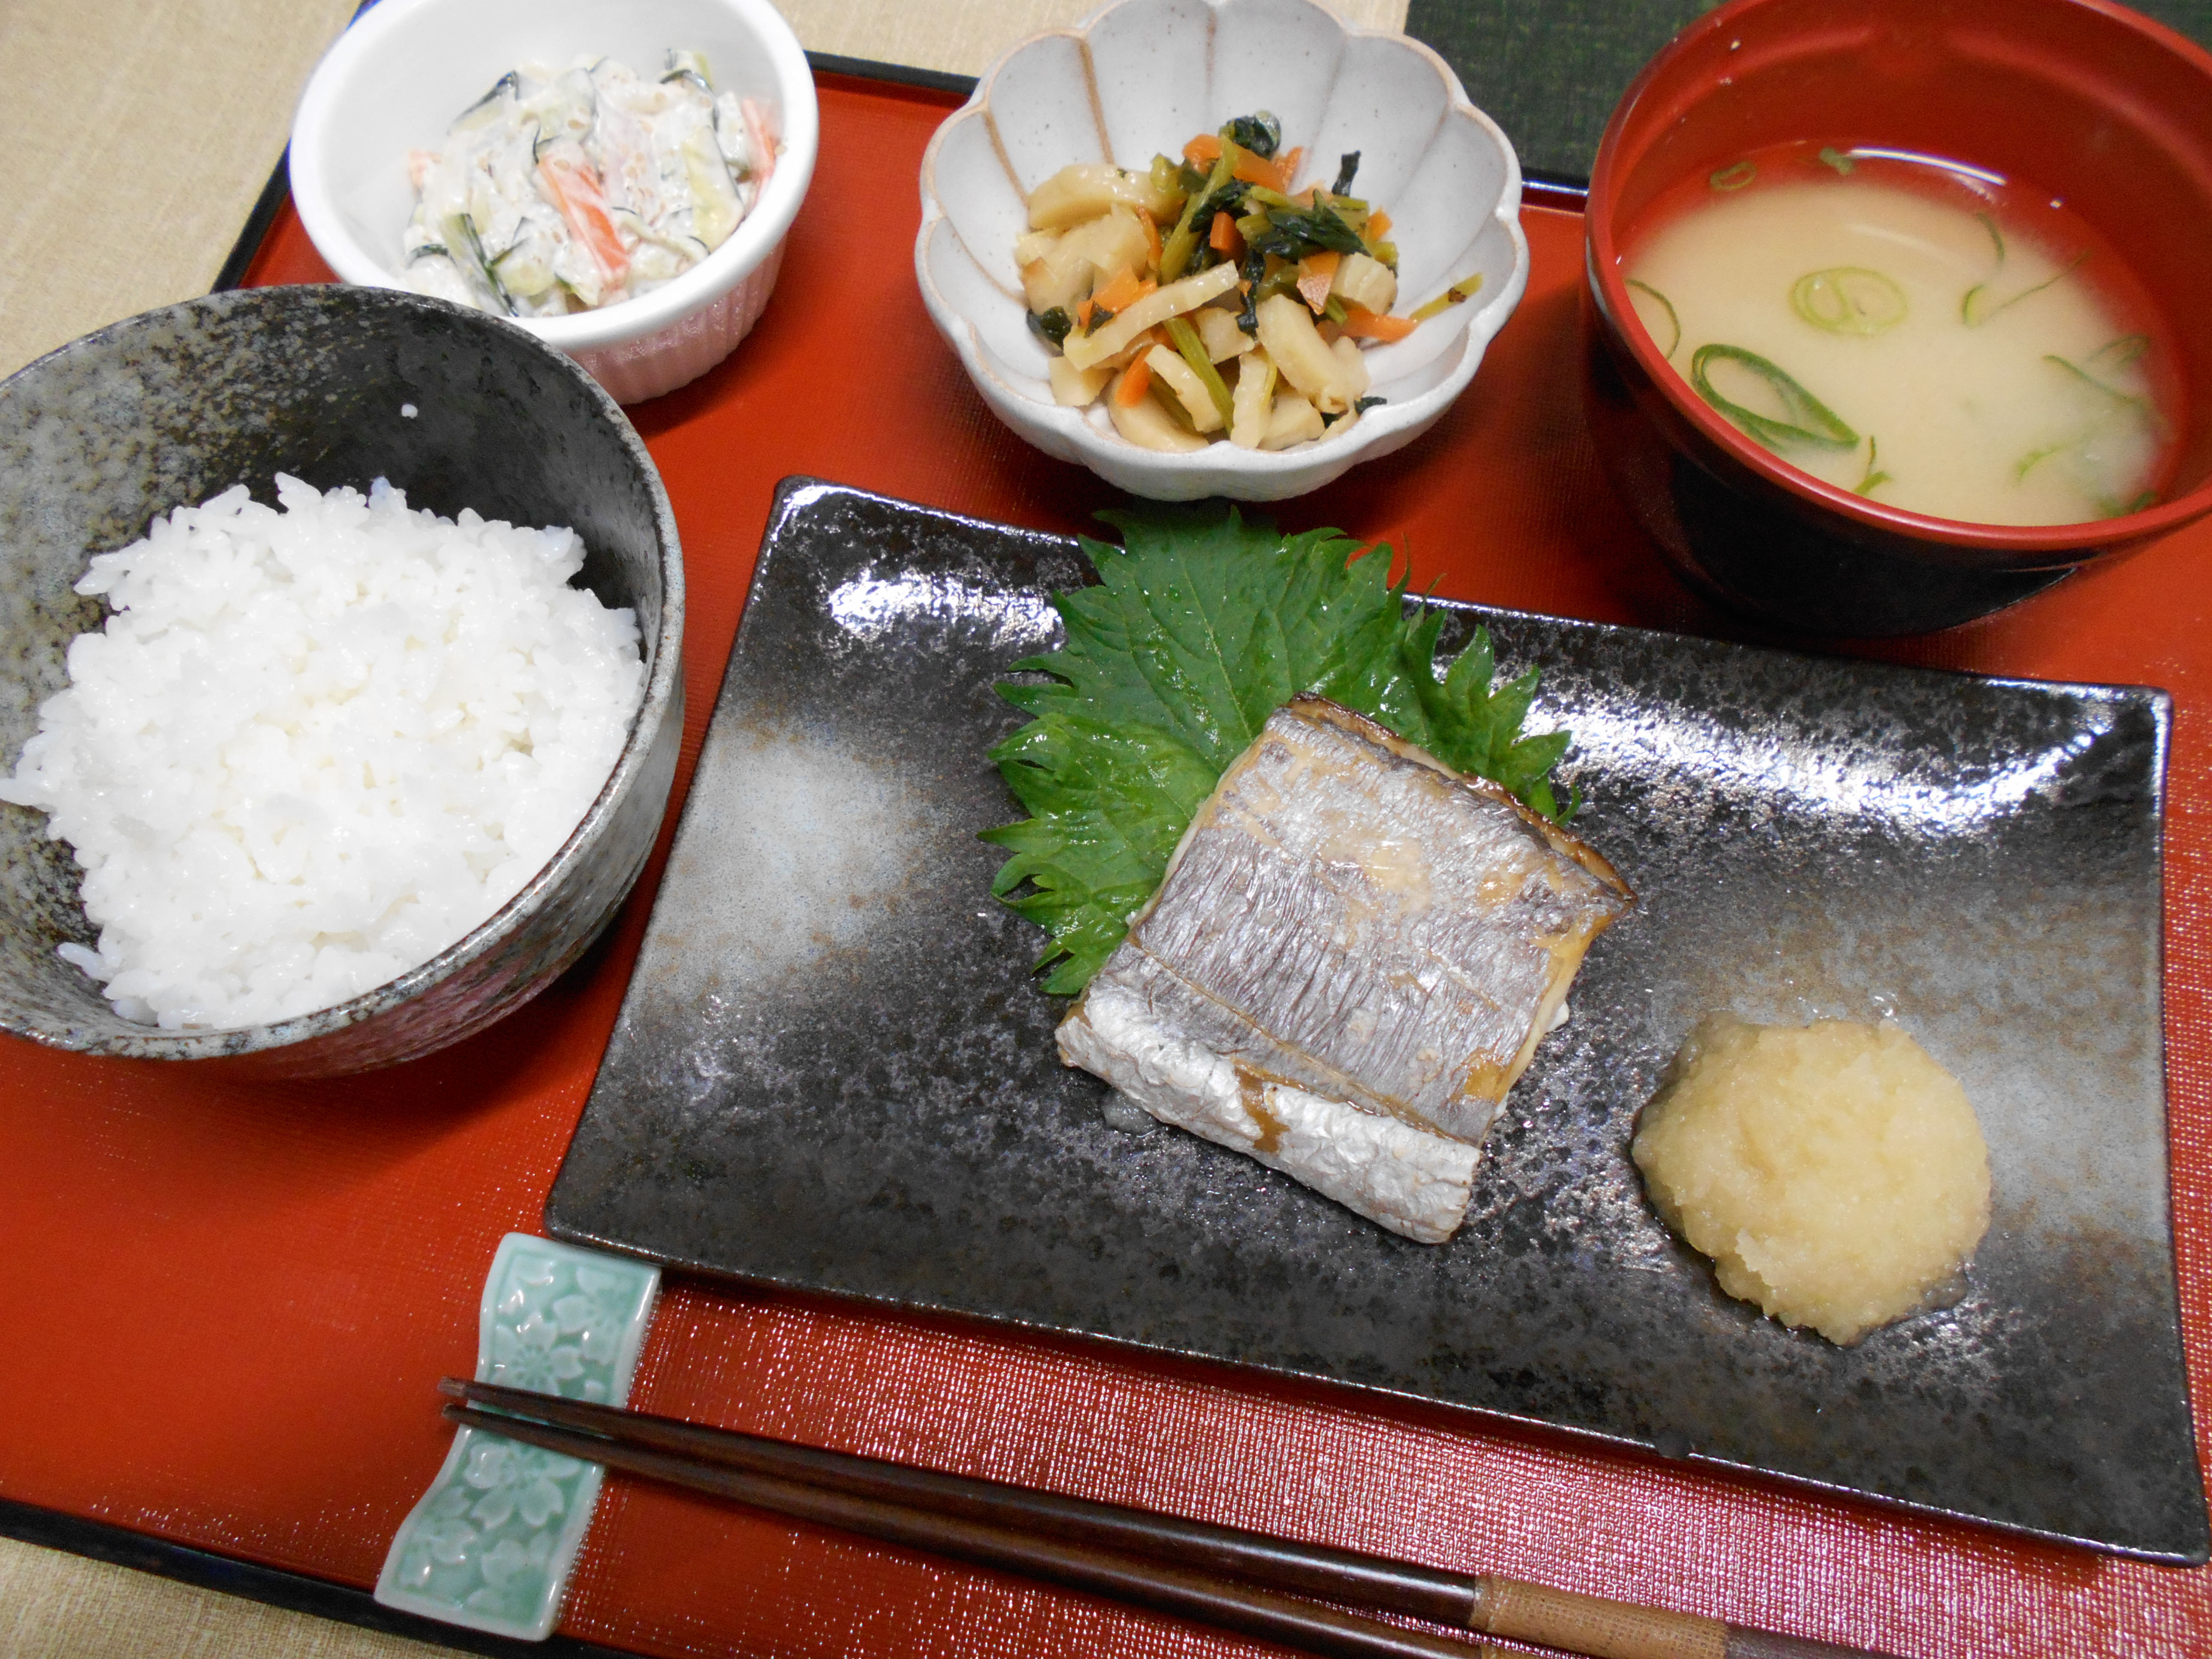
x,y
1350,961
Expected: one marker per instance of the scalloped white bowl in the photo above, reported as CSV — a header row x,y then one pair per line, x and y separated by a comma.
x,y
1139,77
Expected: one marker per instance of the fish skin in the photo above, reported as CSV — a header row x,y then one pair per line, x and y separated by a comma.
x,y
1412,1181
1348,919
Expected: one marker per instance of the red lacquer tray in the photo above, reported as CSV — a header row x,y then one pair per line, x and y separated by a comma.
x,y
228,1304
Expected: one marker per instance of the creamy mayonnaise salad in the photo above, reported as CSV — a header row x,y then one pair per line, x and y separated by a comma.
x,y
565,190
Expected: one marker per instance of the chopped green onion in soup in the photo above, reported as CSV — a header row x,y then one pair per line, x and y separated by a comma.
x,y
1988,338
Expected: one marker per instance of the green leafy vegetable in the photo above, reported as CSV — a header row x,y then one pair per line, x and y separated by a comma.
x,y
1842,160
1183,241
1167,179
1805,421
1192,350
1259,132
1051,326
1255,278
1201,627
1735,176
1293,233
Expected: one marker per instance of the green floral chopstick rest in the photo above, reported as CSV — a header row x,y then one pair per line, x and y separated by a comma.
x,y
490,1545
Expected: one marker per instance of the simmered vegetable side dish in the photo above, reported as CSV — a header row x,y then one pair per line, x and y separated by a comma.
x,y
567,190
1203,300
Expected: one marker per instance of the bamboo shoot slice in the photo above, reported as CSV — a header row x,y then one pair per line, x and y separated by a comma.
x,y
1362,280
1292,421
1351,365
1073,387
1286,329
1252,399
1223,339
1067,267
1148,426
1169,370
1088,189
1089,350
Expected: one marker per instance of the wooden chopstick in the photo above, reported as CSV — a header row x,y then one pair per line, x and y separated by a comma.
x,y
1219,1576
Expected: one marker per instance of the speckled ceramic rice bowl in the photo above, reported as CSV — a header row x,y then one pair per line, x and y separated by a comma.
x,y
337,386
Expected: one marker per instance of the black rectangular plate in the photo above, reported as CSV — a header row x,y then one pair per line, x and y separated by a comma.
x,y
833,1072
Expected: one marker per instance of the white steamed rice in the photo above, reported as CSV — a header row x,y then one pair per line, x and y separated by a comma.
x,y
313,748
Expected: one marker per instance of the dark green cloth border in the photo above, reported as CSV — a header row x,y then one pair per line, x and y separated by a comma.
x,y
1550,71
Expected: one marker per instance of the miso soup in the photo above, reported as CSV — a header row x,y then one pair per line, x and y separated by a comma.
x,y
1926,335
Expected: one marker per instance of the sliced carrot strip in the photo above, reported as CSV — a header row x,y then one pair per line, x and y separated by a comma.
x,y
1225,239
1082,310
1317,273
1286,167
1378,226
762,134
1254,171
1123,290
1136,380
1118,292
575,191
1204,150
1152,236
1361,324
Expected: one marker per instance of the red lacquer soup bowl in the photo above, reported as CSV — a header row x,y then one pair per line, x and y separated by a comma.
x,y
2097,107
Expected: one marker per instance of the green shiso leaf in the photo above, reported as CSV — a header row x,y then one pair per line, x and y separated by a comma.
x,y
1201,627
